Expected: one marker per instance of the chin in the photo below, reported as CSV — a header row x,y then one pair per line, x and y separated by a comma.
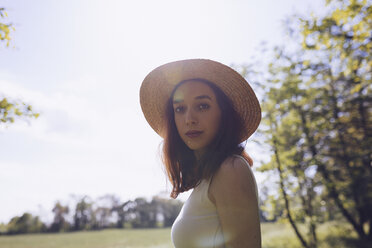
x,y
193,147
197,148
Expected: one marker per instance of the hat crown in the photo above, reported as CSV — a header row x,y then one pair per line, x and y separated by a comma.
x,y
157,87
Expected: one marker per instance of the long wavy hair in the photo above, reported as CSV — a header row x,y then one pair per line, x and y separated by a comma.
x,y
183,169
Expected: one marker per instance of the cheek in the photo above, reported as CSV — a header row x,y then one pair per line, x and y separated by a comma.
x,y
178,124
216,121
216,124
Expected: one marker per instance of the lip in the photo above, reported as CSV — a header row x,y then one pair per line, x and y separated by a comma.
x,y
193,133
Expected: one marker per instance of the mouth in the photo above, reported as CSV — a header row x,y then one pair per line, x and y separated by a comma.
x,y
193,133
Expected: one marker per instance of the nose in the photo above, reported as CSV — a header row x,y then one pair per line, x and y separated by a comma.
x,y
190,118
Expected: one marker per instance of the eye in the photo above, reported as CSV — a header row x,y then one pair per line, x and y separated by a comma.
x,y
179,109
203,106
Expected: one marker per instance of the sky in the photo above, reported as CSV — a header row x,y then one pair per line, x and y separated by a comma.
x,y
80,64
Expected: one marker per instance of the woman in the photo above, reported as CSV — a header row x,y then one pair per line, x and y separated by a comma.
x,y
204,110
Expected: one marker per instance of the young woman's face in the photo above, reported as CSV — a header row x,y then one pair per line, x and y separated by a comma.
x,y
196,114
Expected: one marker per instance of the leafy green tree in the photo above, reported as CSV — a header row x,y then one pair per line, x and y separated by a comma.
x,y
11,109
341,44
105,209
317,119
3,228
102,218
141,213
84,215
60,224
167,208
5,28
25,224
124,213
144,213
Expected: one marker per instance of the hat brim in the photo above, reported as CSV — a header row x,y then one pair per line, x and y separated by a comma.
x,y
158,85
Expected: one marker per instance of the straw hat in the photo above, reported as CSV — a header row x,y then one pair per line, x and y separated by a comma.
x,y
158,85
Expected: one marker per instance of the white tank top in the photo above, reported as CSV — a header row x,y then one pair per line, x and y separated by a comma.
x,y
198,225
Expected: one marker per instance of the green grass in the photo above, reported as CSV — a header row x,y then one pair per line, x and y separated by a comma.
x,y
273,235
331,234
138,238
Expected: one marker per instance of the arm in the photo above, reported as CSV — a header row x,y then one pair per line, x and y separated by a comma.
x,y
233,192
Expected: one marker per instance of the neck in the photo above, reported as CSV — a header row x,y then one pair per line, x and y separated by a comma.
x,y
198,154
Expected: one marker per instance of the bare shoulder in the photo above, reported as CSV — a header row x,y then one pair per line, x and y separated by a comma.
x,y
233,192
233,178
235,170
234,166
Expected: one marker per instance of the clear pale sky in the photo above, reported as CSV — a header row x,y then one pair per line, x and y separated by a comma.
x,y
81,63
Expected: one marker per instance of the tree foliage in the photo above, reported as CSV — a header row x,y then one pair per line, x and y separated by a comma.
x,y
317,119
105,212
5,28
60,223
27,223
11,109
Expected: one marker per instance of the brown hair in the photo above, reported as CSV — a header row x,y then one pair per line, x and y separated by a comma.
x,y
183,170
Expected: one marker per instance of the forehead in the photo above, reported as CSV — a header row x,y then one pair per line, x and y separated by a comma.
x,y
192,89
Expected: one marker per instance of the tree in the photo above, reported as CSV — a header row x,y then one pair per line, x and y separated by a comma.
x,y
144,213
5,29
317,119
102,218
123,212
11,109
60,224
90,215
106,207
84,215
25,224
168,209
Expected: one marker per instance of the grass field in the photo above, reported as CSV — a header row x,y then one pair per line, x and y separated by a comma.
x,y
330,235
273,235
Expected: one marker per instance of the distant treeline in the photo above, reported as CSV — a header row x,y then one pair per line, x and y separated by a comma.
x,y
110,212
107,212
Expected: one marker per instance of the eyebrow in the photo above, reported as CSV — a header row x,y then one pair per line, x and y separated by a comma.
x,y
197,97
